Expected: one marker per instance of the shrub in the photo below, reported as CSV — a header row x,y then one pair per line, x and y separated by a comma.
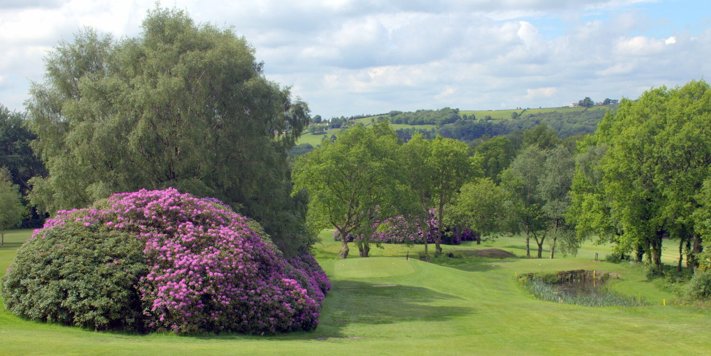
x,y
700,285
78,275
206,268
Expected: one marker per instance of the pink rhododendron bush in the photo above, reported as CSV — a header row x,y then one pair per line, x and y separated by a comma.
x,y
162,260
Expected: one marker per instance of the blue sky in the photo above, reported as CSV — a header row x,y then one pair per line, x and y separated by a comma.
x,y
347,57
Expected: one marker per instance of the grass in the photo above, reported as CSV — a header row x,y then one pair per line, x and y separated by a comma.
x,y
315,140
506,113
387,304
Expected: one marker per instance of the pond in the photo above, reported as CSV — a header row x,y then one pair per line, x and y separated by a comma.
x,y
580,287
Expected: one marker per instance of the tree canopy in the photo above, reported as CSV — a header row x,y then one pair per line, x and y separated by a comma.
x,y
181,105
353,183
11,208
641,175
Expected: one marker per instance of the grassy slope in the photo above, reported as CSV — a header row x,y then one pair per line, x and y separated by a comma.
x,y
315,140
387,304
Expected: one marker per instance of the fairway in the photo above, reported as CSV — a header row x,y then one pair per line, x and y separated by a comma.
x,y
390,304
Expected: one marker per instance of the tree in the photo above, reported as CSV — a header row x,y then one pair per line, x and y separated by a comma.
x,y
521,181
589,210
496,154
657,151
540,136
352,183
586,103
15,152
17,156
452,167
181,105
480,206
11,208
554,187
420,174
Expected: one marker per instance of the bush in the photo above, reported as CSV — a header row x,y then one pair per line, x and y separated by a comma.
x,y
78,275
205,268
700,285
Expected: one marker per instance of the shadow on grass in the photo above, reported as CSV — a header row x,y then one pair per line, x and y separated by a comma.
x,y
472,264
11,245
351,302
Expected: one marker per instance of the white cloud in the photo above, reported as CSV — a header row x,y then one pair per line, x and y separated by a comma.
x,y
350,57
640,46
536,93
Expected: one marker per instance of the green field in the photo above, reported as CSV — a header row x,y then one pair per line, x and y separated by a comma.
x,y
315,140
388,304
506,114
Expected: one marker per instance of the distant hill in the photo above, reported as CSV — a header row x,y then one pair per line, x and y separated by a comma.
x,y
469,125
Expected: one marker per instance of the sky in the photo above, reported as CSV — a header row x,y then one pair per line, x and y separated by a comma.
x,y
348,57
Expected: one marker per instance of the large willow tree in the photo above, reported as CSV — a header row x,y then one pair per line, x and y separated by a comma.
x,y
180,105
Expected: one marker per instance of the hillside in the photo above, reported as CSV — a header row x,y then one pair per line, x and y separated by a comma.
x,y
468,125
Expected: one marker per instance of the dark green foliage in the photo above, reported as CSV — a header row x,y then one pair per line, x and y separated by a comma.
x,y
11,208
425,117
15,152
586,103
700,285
76,275
639,179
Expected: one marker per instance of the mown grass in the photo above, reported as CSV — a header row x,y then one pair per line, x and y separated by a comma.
x,y
390,304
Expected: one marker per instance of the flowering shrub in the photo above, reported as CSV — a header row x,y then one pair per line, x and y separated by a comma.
x,y
206,269
399,230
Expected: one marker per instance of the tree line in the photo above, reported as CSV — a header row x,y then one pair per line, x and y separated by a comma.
x,y
642,178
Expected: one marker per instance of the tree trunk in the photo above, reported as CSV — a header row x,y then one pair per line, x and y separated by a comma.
x,y
693,249
344,248
540,249
363,249
425,231
440,227
555,238
344,243
681,254
657,250
648,251
639,255
2,237
528,245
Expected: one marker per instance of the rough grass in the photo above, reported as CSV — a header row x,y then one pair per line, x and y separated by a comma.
x,y
506,113
388,304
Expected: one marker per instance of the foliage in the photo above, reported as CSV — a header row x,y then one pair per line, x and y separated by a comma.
x,y
16,155
15,152
353,182
643,172
700,285
79,275
521,181
205,269
538,183
480,206
11,208
451,167
180,105
496,154
425,117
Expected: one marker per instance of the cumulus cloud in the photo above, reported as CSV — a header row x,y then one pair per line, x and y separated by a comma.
x,y
351,57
